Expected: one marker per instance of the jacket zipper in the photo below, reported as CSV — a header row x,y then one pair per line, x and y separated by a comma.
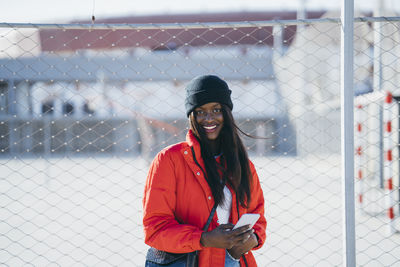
x,y
237,203
197,163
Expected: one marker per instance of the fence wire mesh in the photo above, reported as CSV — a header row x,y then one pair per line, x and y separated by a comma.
x,y
84,108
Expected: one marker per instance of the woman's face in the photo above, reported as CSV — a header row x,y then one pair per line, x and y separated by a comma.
x,y
209,116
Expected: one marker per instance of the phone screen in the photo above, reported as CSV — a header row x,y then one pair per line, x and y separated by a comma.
x,y
248,218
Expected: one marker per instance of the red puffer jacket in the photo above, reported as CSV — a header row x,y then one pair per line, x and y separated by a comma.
x,y
177,202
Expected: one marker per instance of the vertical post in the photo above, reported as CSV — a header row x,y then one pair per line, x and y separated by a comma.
x,y
398,146
347,131
277,31
388,167
377,26
360,150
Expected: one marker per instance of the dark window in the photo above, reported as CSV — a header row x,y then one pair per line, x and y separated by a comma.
x,y
68,108
48,108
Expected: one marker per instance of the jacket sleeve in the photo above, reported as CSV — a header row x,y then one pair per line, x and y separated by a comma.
x,y
161,229
257,206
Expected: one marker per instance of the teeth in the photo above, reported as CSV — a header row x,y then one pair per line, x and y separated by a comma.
x,y
210,127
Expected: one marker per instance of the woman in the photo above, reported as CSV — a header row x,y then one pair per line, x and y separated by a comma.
x,y
210,168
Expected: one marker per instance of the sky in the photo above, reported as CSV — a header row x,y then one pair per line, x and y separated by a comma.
x,y
64,11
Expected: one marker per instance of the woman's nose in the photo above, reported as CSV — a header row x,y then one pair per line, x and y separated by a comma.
x,y
209,116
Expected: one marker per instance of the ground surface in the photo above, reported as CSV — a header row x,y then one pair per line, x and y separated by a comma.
x,y
87,212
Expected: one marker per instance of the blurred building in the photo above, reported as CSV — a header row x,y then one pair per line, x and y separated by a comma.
x,y
122,91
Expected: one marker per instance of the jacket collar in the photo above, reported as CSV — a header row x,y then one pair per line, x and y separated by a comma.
x,y
191,139
193,142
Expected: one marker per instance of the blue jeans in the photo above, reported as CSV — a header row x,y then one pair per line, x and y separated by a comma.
x,y
229,262
178,263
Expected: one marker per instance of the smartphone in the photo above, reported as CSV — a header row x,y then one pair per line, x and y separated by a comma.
x,y
248,218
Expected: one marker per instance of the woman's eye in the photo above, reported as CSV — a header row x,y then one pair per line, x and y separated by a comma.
x,y
199,112
217,110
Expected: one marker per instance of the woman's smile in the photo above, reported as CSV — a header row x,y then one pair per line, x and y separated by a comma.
x,y
210,128
211,119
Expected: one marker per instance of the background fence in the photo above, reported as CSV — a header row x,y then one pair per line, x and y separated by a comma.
x,y
84,108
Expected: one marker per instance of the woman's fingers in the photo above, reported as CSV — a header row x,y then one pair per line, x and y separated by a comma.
x,y
224,237
243,235
227,226
242,229
240,248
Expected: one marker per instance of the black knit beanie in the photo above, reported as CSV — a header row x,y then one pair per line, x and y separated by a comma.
x,y
205,89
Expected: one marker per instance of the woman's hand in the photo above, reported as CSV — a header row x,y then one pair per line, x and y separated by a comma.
x,y
224,237
238,250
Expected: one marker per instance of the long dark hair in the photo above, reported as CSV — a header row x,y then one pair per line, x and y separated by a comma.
x,y
234,156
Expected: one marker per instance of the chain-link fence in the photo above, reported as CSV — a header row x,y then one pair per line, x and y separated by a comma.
x,y
84,108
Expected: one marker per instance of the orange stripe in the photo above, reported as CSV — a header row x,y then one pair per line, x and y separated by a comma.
x,y
360,174
388,98
359,127
389,184
391,213
389,155
359,150
389,127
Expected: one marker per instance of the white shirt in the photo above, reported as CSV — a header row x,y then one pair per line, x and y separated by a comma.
x,y
224,209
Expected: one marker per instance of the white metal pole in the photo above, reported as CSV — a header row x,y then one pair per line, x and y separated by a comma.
x,y
377,80
347,131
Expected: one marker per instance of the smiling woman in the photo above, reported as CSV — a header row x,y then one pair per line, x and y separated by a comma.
x,y
210,171
209,116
